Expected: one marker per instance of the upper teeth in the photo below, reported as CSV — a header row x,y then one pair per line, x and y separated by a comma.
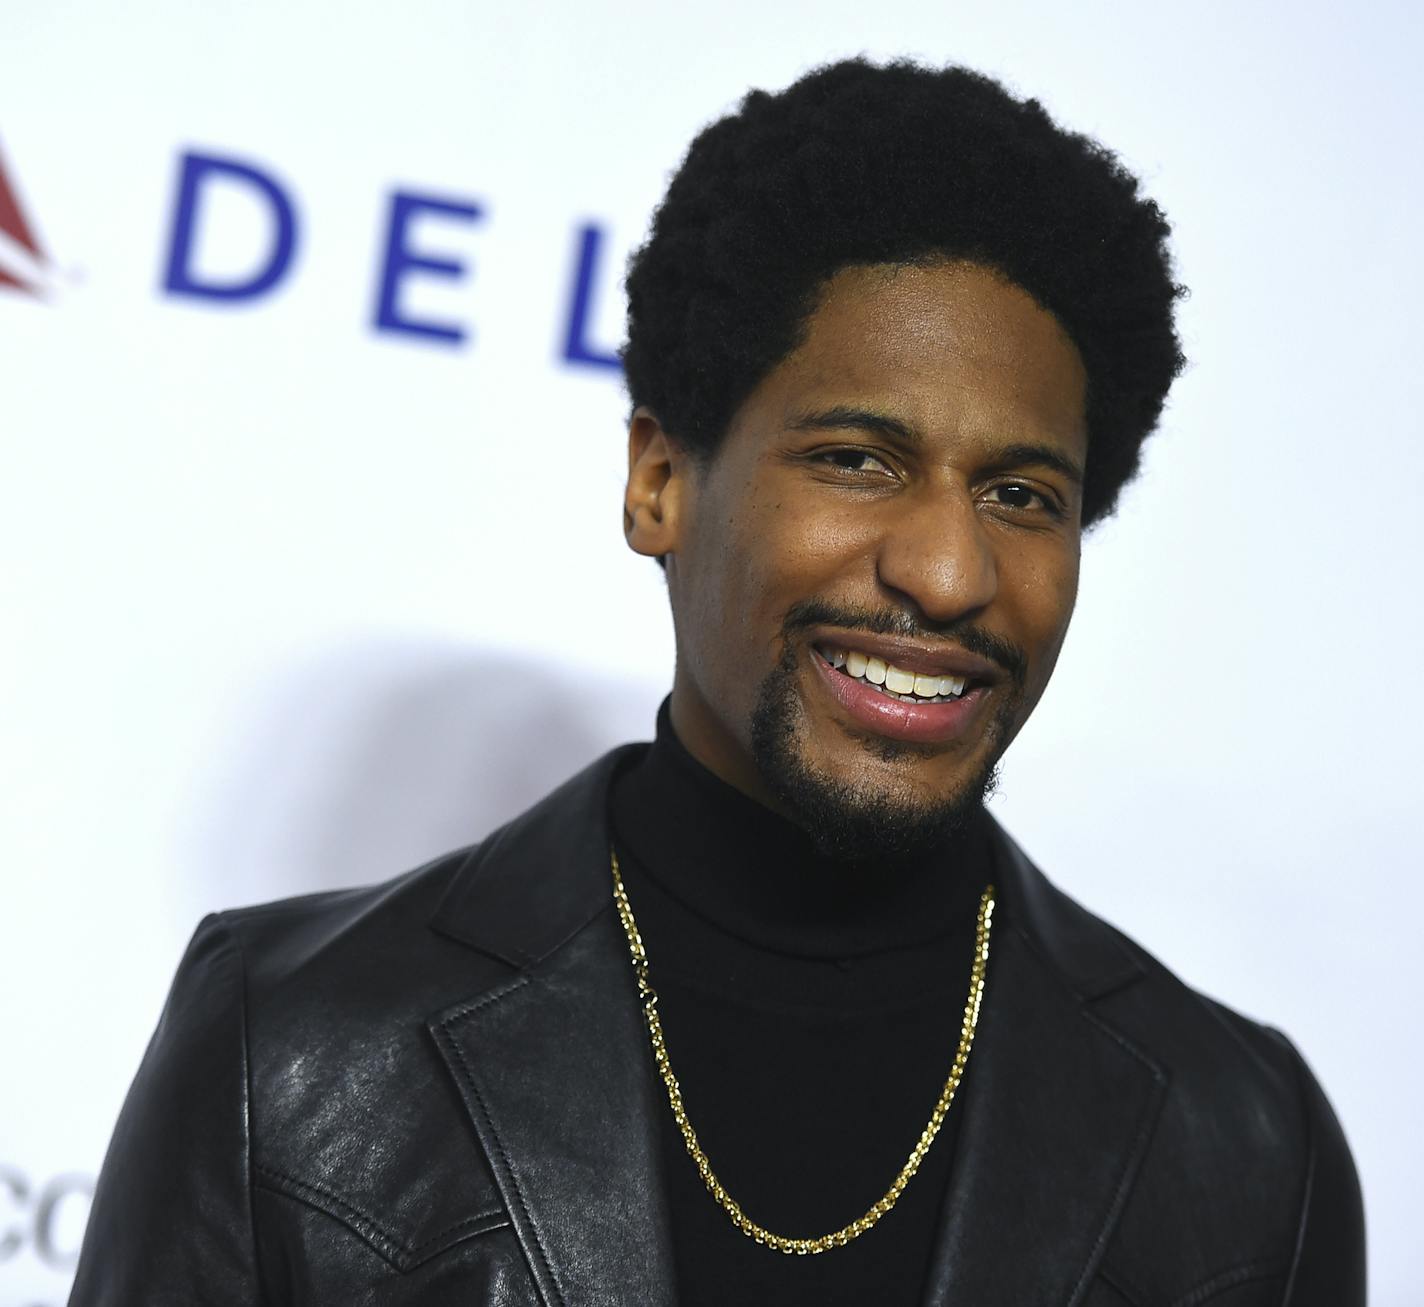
x,y
895,679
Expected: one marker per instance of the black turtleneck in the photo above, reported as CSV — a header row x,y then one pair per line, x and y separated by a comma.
x,y
812,1009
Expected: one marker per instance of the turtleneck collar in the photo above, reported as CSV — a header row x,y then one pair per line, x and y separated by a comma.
x,y
756,875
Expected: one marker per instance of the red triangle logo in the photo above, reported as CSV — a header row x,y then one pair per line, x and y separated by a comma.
x,y
14,226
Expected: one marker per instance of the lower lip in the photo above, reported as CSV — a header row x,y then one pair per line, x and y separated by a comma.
x,y
897,719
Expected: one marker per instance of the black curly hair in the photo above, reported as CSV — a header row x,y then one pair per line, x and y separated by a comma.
x,y
858,163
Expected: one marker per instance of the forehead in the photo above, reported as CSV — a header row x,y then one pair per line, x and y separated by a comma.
x,y
946,346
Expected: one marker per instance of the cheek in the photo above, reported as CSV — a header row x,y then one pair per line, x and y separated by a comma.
x,y
723,583
1043,602
796,547
760,549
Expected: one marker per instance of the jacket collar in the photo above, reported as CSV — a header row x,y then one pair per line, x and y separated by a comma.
x,y
566,837
533,884
554,1072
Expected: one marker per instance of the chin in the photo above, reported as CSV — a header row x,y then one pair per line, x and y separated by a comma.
x,y
865,797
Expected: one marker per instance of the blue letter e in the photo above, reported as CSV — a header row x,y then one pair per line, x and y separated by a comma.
x,y
179,278
400,260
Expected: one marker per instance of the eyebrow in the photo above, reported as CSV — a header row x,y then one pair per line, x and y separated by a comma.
x,y
1029,455
844,417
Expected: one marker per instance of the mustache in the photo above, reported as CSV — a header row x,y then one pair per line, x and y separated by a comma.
x,y
890,621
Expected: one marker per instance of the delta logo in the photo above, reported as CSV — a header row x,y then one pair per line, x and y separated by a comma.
x,y
24,265
408,254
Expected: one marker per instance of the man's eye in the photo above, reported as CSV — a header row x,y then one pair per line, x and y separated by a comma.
x,y
1013,495
853,460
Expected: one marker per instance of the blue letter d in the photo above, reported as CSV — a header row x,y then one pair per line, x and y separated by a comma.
x,y
179,278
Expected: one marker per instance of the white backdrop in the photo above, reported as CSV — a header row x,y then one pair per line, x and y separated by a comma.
x,y
281,611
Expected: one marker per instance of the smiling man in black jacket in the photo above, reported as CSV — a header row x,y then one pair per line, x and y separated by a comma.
x,y
777,984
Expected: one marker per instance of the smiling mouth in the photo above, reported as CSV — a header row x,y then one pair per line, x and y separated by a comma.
x,y
895,682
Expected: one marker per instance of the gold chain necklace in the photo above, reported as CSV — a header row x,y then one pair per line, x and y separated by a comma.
x,y
839,1238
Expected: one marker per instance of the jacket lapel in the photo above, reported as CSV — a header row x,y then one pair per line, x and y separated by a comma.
x,y
552,1065
1058,1112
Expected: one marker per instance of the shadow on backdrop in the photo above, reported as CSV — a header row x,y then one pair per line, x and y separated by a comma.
x,y
373,758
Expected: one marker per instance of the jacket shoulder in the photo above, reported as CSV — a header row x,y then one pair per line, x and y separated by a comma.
x,y
301,937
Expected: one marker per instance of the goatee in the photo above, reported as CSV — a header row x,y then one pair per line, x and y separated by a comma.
x,y
842,819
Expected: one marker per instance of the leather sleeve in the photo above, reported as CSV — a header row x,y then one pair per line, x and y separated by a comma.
x,y
1329,1267
171,1221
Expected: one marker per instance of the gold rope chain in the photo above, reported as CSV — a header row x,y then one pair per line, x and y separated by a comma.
x,y
839,1238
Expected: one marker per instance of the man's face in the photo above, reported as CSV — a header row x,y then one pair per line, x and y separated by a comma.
x,y
872,577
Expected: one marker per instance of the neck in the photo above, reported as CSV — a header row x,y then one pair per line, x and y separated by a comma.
x,y
751,870
699,732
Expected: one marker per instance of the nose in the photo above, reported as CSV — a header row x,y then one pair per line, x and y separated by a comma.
x,y
935,555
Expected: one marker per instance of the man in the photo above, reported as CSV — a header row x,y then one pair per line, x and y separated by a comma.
x,y
777,984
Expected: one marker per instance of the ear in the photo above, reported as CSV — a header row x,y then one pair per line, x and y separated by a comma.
x,y
653,502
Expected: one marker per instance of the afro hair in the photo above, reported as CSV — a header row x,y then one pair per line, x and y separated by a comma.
x,y
858,163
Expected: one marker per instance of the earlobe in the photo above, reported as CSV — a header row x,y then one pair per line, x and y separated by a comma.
x,y
652,499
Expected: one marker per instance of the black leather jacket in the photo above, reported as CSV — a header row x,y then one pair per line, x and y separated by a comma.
x,y
438,1091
